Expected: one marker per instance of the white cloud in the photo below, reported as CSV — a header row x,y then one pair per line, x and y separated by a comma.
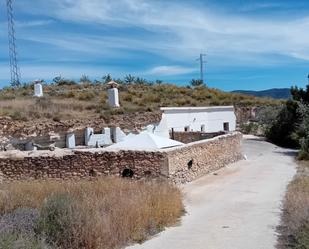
x,y
186,30
33,23
178,32
261,6
170,70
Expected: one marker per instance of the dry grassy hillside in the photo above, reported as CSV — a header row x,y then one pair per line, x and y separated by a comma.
x,y
88,100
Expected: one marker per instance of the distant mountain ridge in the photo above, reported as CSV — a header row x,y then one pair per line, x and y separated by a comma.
x,y
276,93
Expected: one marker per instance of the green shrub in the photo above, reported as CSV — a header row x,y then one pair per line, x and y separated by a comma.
x,y
304,148
302,237
128,98
85,96
18,115
282,129
14,241
249,128
69,94
64,82
56,220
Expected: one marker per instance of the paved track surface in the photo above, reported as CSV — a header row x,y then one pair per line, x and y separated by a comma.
x,y
238,207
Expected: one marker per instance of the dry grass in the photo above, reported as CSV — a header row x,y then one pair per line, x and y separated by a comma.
x,y
295,220
87,100
47,107
106,213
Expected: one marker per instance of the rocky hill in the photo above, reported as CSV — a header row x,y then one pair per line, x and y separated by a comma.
x,y
276,93
69,105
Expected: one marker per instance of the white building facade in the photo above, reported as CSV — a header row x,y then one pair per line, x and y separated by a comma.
x,y
205,119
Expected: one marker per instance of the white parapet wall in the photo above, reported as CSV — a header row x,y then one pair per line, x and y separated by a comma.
x,y
101,139
70,141
118,135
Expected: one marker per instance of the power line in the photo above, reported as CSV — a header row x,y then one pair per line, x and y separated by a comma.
x,y
202,62
15,73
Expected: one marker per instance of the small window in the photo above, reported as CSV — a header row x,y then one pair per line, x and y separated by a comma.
x,y
203,129
187,128
190,164
226,126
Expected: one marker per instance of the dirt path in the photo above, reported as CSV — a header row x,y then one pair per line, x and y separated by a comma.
x,y
236,208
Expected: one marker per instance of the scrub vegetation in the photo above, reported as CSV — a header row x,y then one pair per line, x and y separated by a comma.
x,y
103,213
65,99
295,219
290,127
286,125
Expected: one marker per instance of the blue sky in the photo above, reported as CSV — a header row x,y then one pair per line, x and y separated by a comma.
x,y
252,44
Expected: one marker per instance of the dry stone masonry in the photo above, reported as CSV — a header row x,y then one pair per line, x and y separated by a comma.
x,y
195,159
180,164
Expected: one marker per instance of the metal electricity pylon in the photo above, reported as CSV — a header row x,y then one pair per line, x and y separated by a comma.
x,y
202,62
15,73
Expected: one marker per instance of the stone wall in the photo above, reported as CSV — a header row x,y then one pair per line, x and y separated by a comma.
x,y
180,164
82,164
193,136
199,158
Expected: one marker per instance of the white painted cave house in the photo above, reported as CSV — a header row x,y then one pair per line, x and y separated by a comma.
x,y
206,119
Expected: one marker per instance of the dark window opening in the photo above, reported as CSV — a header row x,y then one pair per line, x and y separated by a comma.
x,y
203,129
187,128
226,126
127,173
190,164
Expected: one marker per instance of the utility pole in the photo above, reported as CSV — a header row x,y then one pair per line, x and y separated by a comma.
x,y
202,62
15,73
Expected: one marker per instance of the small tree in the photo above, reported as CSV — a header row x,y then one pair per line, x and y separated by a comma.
x,y
141,81
302,131
107,78
282,129
58,79
84,79
129,79
159,82
195,82
299,94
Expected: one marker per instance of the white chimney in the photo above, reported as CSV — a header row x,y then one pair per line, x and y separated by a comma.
x,y
38,89
113,95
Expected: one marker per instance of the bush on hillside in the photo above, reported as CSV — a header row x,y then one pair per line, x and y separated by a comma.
x,y
284,126
302,132
104,213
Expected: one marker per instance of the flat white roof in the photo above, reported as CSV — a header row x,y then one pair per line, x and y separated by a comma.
x,y
197,108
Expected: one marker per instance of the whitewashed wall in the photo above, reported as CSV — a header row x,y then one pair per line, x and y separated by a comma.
x,y
197,118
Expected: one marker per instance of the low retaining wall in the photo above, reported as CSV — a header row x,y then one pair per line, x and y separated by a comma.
x,y
199,158
180,164
193,136
82,164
